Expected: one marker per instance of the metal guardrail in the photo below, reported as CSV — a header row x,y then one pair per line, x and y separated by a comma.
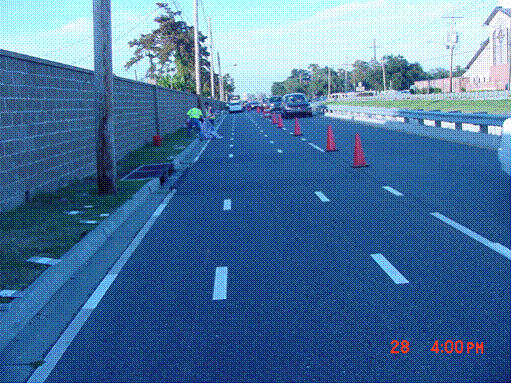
x,y
481,119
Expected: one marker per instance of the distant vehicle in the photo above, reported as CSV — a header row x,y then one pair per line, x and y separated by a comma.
x,y
275,103
254,104
235,106
504,151
295,104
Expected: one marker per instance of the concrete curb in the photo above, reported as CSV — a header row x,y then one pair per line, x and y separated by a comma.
x,y
21,310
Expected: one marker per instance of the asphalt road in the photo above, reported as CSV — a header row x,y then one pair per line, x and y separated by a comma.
x,y
294,245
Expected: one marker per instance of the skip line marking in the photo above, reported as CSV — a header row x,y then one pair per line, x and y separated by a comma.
x,y
316,147
393,191
321,196
503,250
227,204
389,269
220,283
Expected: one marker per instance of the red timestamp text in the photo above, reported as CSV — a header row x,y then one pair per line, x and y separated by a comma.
x,y
449,347
458,347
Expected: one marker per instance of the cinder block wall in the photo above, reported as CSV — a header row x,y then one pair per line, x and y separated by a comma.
x,y
47,133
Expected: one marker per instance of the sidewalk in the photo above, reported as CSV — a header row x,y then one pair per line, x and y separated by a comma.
x,y
33,323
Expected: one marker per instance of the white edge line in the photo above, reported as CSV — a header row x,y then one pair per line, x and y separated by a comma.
x,y
392,272
393,191
503,250
201,152
54,355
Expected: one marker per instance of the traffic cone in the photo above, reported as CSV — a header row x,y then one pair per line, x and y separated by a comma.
x,y
297,129
274,118
330,143
359,158
280,122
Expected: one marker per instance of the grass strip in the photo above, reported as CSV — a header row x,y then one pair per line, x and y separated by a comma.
x,y
467,106
50,224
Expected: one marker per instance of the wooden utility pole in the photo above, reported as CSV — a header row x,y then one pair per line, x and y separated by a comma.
x,y
211,59
221,82
105,157
196,49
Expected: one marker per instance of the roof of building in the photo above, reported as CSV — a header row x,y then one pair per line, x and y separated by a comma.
x,y
506,11
481,49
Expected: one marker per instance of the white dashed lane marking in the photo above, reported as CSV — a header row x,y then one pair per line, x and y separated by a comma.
x,y
220,283
503,250
393,191
227,204
321,196
389,269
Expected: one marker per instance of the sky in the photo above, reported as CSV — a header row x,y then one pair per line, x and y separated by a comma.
x,y
259,42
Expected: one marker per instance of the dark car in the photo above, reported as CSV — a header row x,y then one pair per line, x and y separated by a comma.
x,y
264,104
295,104
275,103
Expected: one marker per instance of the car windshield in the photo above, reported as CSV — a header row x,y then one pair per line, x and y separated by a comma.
x,y
275,99
296,99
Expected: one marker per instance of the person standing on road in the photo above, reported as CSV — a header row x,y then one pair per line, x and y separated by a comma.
x,y
195,117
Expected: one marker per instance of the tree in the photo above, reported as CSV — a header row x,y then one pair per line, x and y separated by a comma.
x,y
172,43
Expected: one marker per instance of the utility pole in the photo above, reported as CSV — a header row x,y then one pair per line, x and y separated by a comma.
x,y
345,72
105,157
384,74
221,82
211,59
329,82
451,39
196,49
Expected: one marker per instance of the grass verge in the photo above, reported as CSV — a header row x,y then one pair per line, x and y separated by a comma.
x,y
51,223
489,106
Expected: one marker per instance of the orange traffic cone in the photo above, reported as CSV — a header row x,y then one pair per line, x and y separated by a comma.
x,y
274,118
359,158
280,122
297,129
330,143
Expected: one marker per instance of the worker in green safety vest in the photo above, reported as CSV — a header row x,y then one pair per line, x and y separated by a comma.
x,y
195,118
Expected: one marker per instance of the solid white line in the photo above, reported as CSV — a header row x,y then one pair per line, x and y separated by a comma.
x,y
97,295
201,152
503,250
393,191
321,196
389,269
54,355
220,283
227,205
316,147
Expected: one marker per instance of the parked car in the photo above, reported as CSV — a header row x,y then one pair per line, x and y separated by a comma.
x,y
504,151
275,103
295,104
264,103
235,106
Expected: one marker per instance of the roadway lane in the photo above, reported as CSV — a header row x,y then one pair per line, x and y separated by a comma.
x,y
299,232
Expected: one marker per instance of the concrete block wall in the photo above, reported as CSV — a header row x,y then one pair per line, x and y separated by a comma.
x,y
47,133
